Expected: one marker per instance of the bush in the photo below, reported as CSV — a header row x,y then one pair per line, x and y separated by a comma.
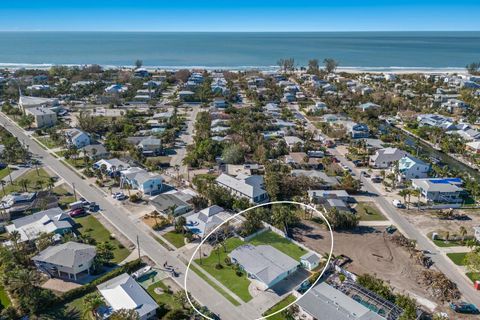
x,y
228,261
239,273
341,277
218,266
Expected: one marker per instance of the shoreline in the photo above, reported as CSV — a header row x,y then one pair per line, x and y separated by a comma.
x,y
272,68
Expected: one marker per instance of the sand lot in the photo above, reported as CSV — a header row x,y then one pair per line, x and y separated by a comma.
x,y
370,250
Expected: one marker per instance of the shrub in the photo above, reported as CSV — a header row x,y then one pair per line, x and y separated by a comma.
x,y
239,273
218,266
341,277
228,261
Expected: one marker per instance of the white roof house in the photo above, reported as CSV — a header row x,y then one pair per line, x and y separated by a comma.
x,y
264,263
413,168
123,292
48,221
385,158
203,222
440,189
76,137
26,102
138,178
250,187
111,165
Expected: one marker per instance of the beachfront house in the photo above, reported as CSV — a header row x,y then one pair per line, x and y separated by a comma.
x,y
412,168
48,221
42,117
69,260
264,264
443,190
77,138
385,158
244,186
123,292
141,180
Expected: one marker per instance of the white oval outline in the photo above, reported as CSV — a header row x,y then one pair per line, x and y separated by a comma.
x,y
239,213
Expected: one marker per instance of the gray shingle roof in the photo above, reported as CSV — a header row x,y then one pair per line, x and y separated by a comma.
x,y
69,254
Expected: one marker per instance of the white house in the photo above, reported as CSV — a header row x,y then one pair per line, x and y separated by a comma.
x,y
142,180
244,186
112,166
367,106
42,117
440,189
293,141
116,88
123,292
412,168
264,264
205,221
385,158
66,260
76,137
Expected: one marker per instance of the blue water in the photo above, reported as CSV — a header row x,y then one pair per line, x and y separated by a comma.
x,y
352,49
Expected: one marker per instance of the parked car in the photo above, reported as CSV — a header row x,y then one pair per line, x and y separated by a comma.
x,y
76,205
77,212
121,197
398,203
116,195
376,179
365,174
464,307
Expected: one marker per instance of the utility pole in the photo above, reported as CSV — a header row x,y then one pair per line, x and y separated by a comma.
x,y
74,191
138,247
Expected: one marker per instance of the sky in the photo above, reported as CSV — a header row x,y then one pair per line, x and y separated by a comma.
x,y
245,15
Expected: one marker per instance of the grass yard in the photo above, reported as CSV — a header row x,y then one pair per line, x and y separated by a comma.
x,y
450,243
278,242
91,226
369,212
177,239
64,197
48,142
457,258
474,276
77,163
227,275
282,304
214,285
4,299
4,172
164,298
35,182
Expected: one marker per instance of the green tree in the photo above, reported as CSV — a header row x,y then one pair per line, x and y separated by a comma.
x,y
138,63
91,303
330,65
124,314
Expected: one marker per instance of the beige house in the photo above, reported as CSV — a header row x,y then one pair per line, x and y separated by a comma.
x,y
43,117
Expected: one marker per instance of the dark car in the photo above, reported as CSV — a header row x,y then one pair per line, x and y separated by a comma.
x,y
77,212
464,307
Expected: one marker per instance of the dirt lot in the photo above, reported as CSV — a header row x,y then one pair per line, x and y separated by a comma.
x,y
427,222
369,251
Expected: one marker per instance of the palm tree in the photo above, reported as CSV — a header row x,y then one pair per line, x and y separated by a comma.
x,y
171,214
404,193
156,215
463,232
416,193
91,303
21,281
447,235
24,184
15,237
3,183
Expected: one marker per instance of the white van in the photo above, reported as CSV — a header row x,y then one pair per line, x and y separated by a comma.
x,y
397,203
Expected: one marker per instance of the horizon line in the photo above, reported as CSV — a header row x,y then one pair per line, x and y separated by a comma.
x,y
235,31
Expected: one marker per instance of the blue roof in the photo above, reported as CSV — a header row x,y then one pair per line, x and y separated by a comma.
x,y
446,180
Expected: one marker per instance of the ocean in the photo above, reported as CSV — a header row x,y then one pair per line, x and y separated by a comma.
x,y
381,51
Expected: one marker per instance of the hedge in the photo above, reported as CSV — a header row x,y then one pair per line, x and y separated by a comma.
x,y
76,293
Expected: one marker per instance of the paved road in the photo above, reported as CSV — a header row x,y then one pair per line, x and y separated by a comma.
x,y
423,243
126,224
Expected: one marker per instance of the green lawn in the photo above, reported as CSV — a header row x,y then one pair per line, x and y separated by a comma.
x,y
165,298
36,182
278,242
214,285
4,172
473,276
4,299
282,304
48,142
369,212
457,258
227,275
177,239
77,163
90,225
450,243
64,197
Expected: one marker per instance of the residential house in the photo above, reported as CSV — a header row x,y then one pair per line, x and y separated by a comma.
x,y
301,159
48,221
42,117
185,94
435,120
325,302
95,151
123,292
76,137
412,168
310,260
343,195
67,260
150,146
219,103
293,142
327,181
112,166
142,180
202,223
176,200
264,264
385,158
250,187
473,147
440,189
357,130
26,102
454,105
368,106
329,204
116,89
